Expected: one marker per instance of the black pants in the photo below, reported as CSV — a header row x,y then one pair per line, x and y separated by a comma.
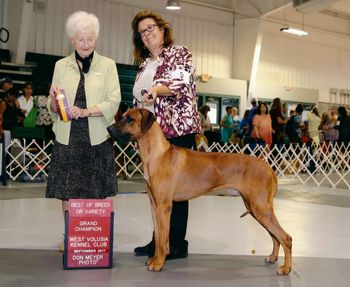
x,y
179,213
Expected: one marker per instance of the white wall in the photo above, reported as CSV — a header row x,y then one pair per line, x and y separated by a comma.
x,y
318,62
292,94
210,40
12,23
305,63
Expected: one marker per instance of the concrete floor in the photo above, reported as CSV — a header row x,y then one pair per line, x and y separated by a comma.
x,y
225,250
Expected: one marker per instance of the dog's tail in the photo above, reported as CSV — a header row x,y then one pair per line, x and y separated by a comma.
x,y
244,214
247,207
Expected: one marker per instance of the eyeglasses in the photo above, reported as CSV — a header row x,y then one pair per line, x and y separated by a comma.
x,y
148,29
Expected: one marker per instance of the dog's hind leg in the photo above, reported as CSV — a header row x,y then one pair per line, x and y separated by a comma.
x,y
273,257
264,214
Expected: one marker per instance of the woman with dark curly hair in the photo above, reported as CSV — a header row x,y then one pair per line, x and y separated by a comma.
x,y
165,85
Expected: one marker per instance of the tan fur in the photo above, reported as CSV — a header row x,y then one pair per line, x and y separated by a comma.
x,y
174,173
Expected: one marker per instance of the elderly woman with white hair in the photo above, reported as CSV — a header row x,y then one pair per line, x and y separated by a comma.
x,y
82,162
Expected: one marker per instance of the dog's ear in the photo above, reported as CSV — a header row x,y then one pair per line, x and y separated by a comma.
x,y
147,120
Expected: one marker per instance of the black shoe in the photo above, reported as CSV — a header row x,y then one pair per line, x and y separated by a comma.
x,y
176,253
147,250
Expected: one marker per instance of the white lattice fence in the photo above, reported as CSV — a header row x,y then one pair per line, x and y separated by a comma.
x,y
320,165
28,160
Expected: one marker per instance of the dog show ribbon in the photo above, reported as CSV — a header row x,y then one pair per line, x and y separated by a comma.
x,y
62,104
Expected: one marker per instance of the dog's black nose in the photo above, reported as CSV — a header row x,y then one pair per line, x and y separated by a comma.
x,y
116,133
109,131
112,132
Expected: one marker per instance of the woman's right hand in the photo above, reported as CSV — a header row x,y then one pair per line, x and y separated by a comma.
x,y
53,106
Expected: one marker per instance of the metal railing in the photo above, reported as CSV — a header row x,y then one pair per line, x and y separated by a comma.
x,y
323,165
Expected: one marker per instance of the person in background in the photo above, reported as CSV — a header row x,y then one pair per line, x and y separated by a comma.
x,y
330,134
243,131
10,115
43,118
236,120
252,113
292,113
314,120
278,122
285,111
295,125
227,124
205,120
26,100
298,121
82,161
167,75
333,116
343,126
206,126
5,85
262,125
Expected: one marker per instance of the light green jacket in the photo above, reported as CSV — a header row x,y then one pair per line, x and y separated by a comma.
x,y
102,89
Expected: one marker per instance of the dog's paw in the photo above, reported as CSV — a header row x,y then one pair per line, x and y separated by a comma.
x,y
271,259
283,270
154,268
155,264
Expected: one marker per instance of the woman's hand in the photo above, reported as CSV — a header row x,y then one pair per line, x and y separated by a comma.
x,y
149,97
77,113
53,106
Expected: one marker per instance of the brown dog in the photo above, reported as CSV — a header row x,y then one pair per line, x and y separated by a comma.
x,y
174,173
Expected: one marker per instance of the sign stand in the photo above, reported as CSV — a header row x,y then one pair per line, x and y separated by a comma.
x,y
88,240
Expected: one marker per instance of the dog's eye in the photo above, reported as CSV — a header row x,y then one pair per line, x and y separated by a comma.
x,y
129,119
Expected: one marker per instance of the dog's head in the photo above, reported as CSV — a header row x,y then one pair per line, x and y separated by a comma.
x,y
134,124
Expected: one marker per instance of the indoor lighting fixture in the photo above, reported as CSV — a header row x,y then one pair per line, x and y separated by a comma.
x,y
173,5
294,31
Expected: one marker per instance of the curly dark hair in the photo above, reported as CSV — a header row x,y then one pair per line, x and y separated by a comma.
x,y
140,51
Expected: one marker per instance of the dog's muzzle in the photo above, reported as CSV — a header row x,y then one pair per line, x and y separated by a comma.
x,y
116,133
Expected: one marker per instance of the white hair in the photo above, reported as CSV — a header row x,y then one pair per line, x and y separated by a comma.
x,y
80,21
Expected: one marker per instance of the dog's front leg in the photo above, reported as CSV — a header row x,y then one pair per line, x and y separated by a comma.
x,y
154,217
162,212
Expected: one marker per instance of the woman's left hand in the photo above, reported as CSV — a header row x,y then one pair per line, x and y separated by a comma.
x,y
150,96
77,112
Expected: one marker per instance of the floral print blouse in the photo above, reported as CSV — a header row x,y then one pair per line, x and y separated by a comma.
x,y
43,116
178,114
